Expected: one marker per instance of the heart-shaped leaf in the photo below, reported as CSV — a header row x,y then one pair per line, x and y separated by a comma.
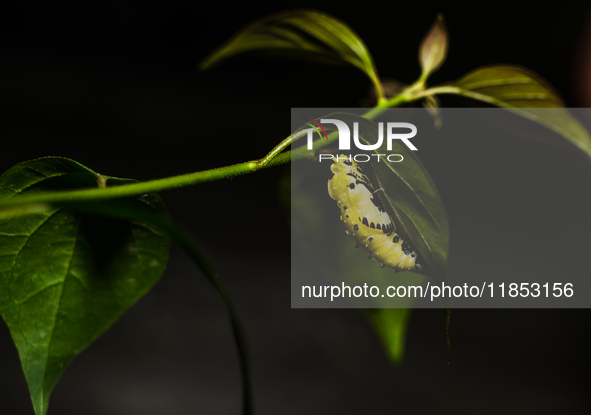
x,y
66,277
525,93
305,34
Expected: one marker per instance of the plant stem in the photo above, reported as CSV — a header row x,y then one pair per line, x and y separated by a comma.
x,y
26,204
411,93
380,108
274,158
377,84
140,188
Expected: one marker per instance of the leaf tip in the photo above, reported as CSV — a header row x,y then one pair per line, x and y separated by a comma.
x,y
390,325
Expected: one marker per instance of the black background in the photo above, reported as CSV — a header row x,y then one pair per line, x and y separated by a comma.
x,y
115,87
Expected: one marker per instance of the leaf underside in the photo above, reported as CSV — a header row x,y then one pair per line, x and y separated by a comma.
x,y
525,93
303,34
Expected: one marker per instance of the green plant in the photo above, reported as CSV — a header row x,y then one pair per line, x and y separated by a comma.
x,y
62,285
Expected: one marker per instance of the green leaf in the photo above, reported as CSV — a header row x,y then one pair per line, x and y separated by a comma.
x,y
65,276
408,193
433,49
524,93
318,233
419,215
135,210
303,34
411,197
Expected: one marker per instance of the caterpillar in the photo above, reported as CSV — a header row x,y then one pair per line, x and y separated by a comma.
x,y
365,217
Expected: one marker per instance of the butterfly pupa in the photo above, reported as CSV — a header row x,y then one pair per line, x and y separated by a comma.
x,y
365,217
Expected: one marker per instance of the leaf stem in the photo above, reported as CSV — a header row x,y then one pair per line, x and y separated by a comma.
x,y
380,98
411,93
186,243
381,107
279,148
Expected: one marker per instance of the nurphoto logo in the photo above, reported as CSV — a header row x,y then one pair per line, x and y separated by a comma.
x,y
393,132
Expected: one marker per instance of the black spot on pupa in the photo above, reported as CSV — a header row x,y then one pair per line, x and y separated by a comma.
x,y
407,249
356,227
344,207
379,227
390,234
352,186
413,255
396,239
347,162
372,225
365,222
346,216
369,256
370,238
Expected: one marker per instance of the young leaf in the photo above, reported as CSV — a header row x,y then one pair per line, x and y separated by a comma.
x,y
433,49
66,277
300,33
523,92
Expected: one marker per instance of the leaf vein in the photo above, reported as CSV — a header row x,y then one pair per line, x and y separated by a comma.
x,y
17,254
59,302
21,302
